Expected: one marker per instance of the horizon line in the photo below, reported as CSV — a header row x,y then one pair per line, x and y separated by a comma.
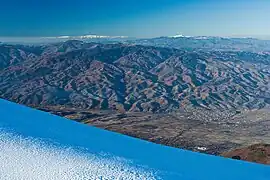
x,y
95,36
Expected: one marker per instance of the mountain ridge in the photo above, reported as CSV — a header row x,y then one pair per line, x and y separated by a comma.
x,y
133,77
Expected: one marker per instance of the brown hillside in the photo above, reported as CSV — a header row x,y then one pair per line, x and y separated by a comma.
x,y
259,153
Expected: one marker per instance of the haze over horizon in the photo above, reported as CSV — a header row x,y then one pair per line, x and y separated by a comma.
x,y
141,19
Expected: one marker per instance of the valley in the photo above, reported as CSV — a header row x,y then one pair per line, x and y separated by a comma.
x,y
194,130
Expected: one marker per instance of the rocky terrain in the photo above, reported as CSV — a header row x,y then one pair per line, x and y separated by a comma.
x,y
133,77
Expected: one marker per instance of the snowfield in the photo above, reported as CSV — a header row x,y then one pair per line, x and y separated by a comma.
x,y
31,159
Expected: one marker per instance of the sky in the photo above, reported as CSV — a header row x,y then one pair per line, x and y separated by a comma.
x,y
134,18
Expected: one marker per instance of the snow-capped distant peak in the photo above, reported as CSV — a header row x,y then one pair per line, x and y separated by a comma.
x,y
90,36
63,37
178,36
93,36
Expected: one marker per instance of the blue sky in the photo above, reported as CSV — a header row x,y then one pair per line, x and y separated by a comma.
x,y
135,18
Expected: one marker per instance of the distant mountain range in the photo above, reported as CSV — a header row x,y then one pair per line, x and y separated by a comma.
x,y
204,43
57,39
139,75
208,43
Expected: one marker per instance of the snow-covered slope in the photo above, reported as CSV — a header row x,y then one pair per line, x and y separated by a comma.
x,y
38,145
